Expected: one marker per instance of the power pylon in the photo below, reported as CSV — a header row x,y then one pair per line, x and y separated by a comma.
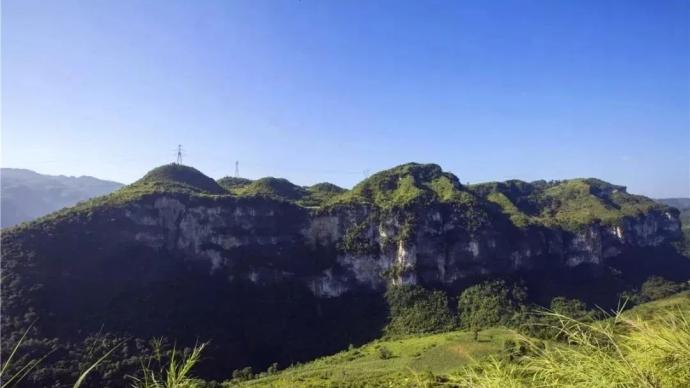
x,y
179,154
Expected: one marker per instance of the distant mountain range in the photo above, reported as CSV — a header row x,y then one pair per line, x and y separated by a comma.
x,y
27,195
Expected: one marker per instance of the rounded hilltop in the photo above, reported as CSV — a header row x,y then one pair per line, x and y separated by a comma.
x,y
407,184
272,187
176,176
233,183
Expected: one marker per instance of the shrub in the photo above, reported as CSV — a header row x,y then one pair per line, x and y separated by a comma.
x,y
243,374
384,353
657,287
544,325
272,369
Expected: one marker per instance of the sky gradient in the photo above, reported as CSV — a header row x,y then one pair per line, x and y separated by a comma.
x,y
326,90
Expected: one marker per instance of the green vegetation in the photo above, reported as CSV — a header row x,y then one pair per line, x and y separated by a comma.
x,y
177,372
232,184
654,288
407,185
400,362
570,204
282,189
416,310
517,217
174,177
648,346
321,193
278,188
545,324
490,303
140,292
623,351
358,239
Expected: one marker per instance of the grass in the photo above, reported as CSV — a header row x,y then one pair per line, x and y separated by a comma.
x,y
647,346
16,378
623,351
570,204
176,374
405,185
411,358
177,175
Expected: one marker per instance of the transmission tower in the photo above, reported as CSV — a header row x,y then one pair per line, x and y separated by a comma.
x,y
237,168
179,154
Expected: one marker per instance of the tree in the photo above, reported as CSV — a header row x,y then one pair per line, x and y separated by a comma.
x,y
572,308
414,309
657,287
490,303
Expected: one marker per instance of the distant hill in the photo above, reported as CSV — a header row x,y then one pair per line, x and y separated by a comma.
x,y
678,203
682,204
27,195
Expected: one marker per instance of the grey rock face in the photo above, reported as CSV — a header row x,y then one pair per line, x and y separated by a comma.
x,y
269,241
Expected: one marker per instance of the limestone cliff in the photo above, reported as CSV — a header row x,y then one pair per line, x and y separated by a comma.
x,y
177,247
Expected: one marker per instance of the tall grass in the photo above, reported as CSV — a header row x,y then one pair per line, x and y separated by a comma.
x,y
175,374
617,352
15,378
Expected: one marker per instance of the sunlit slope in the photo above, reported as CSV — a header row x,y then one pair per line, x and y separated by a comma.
x,y
426,360
395,362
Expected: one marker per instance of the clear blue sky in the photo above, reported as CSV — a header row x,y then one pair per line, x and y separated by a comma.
x,y
322,90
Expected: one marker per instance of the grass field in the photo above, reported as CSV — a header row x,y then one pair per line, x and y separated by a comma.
x,y
423,361
409,358
657,308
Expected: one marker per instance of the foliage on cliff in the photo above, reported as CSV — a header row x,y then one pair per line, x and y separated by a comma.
x,y
570,204
406,185
491,303
282,189
416,310
232,183
178,177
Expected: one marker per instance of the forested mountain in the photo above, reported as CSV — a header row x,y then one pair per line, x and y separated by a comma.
x,y
269,271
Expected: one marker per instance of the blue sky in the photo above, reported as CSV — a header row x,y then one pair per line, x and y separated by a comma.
x,y
324,90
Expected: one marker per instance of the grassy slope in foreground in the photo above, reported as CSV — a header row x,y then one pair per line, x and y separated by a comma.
x,y
445,355
410,358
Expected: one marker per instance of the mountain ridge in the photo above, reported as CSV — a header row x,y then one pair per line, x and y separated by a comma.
x,y
27,195
178,255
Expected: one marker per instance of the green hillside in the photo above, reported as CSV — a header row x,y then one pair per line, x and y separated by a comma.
x,y
177,176
457,359
405,185
568,203
394,362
